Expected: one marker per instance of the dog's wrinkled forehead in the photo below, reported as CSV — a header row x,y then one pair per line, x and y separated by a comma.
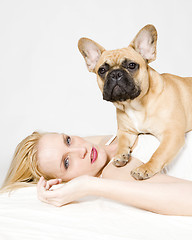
x,y
113,58
116,57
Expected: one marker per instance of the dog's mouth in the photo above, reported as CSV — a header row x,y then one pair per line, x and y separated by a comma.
x,y
117,90
120,94
120,86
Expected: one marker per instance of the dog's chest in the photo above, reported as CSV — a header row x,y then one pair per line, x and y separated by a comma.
x,y
137,119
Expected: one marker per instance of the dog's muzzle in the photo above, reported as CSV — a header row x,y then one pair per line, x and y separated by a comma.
x,y
120,86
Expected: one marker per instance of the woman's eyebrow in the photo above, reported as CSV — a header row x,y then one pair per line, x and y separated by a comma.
x,y
63,156
64,139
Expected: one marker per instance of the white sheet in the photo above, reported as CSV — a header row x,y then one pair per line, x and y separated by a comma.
x,y
23,216
180,167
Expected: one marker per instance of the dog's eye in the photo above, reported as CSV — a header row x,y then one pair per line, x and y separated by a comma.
x,y
102,70
132,65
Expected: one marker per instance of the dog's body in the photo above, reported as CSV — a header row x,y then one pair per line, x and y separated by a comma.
x,y
146,101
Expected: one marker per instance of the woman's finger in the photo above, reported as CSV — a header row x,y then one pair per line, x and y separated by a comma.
x,y
52,182
41,188
41,183
44,194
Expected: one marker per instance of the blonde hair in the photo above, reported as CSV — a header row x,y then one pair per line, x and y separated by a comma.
x,y
23,169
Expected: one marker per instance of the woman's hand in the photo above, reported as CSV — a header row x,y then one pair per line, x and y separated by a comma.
x,y
67,193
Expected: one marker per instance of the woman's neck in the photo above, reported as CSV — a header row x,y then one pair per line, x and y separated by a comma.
x,y
111,150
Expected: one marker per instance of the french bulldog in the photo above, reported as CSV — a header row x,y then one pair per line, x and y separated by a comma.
x,y
145,101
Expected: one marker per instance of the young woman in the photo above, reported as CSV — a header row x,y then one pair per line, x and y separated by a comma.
x,y
84,163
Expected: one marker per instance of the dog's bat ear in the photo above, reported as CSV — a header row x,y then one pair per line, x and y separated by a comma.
x,y
145,43
91,51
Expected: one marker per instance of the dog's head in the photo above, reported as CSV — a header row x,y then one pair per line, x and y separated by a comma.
x,y
122,74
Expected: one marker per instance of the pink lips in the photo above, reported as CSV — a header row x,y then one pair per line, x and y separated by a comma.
x,y
93,155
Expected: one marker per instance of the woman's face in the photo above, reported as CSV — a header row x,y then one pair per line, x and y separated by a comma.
x,y
67,157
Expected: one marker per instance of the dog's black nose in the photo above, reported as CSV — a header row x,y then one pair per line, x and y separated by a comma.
x,y
116,75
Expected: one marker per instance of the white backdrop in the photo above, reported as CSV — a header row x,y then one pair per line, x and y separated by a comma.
x,y
44,81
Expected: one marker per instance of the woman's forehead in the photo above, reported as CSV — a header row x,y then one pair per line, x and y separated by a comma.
x,y
49,154
49,146
49,139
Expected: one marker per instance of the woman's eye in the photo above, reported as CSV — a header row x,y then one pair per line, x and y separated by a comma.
x,y
68,140
66,163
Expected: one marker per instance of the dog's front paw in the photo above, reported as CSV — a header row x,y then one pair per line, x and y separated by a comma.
x,y
121,160
142,172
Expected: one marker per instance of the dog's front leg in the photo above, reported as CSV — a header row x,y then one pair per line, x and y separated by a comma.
x,y
169,147
125,144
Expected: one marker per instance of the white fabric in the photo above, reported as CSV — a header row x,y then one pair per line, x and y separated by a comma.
x,y
24,217
180,167
111,140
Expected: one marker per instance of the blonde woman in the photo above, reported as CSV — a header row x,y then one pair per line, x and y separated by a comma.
x,y
83,164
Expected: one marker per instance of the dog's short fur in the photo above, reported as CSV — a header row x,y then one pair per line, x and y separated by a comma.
x,y
146,101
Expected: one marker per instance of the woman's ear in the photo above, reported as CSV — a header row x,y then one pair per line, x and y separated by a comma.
x,y
91,52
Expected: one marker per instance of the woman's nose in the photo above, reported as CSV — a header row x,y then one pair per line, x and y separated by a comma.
x,y
80,151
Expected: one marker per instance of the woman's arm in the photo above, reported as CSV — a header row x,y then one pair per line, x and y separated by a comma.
x,y
174,198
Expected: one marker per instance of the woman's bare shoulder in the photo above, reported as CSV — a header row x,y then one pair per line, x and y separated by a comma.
x,y
100,139
121,173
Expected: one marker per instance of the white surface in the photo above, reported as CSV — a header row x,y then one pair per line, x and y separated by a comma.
x,y
180,167
23,216
44,81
